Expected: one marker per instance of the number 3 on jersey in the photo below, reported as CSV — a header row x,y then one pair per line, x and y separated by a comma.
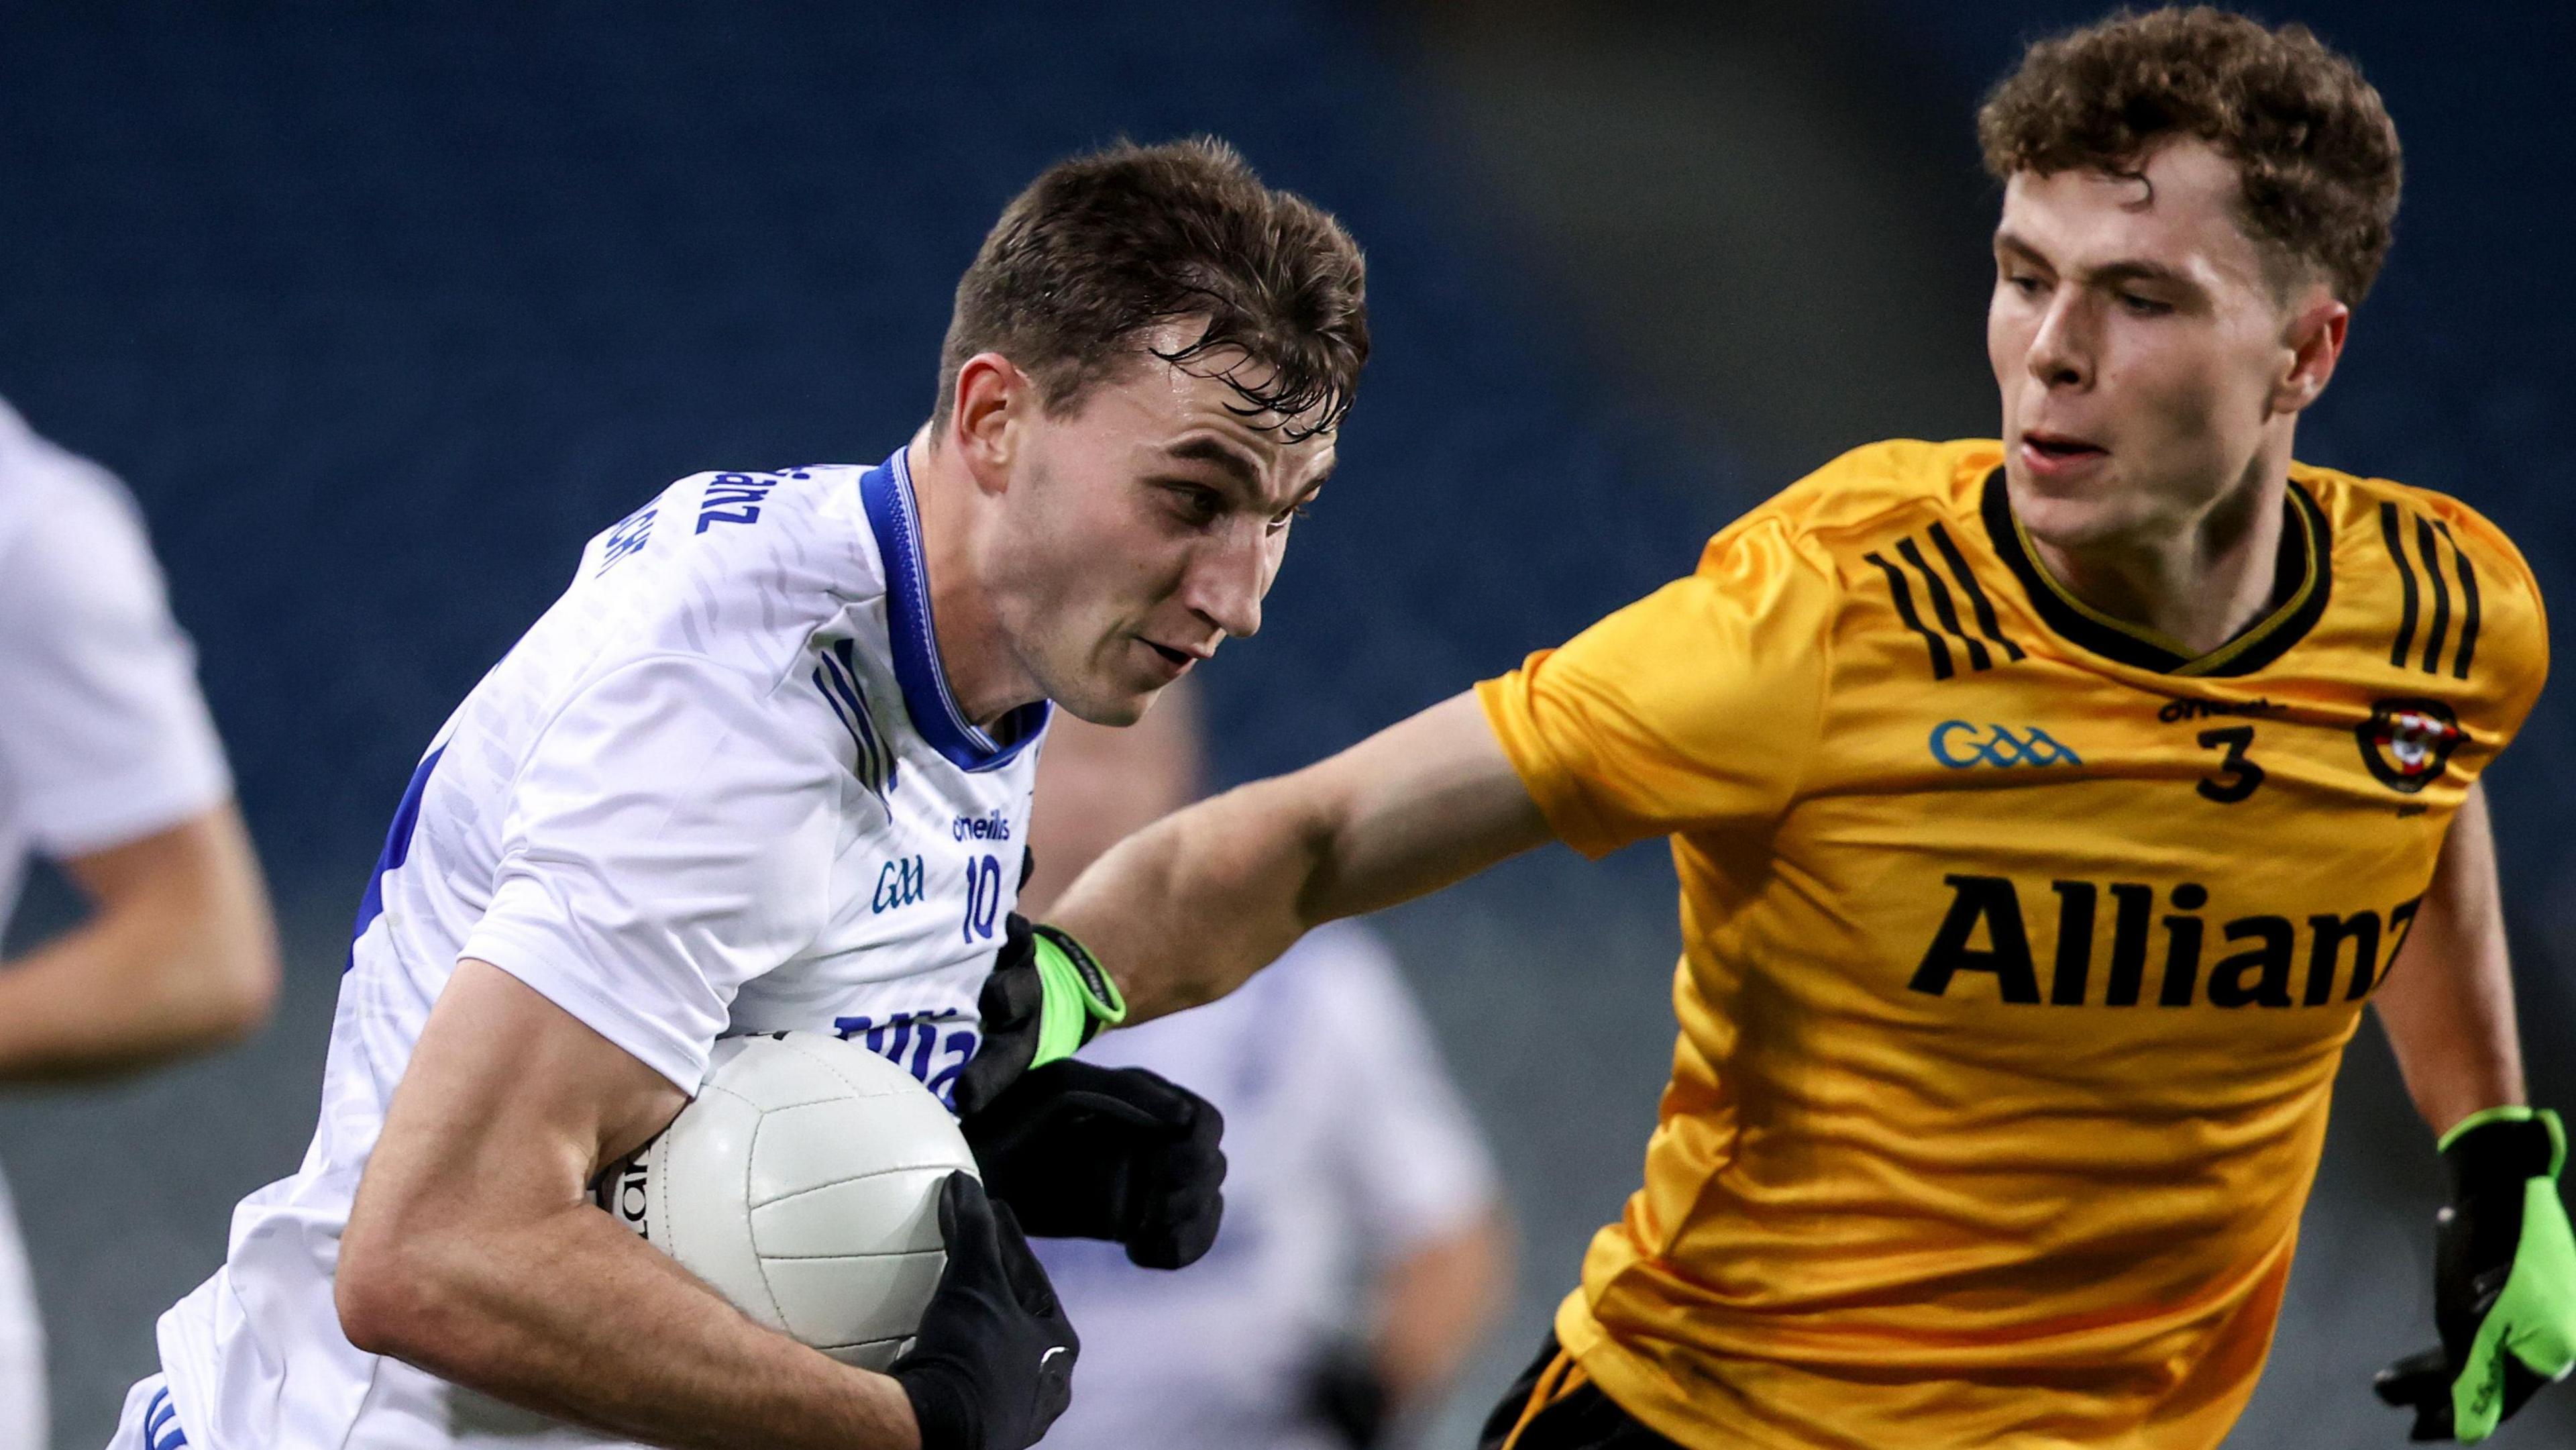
x,y
2237,776
983,897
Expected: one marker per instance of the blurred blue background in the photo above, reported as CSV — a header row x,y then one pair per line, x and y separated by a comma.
x,y
382,311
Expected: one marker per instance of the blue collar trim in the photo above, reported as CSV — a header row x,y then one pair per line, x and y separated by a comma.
x,y
886,491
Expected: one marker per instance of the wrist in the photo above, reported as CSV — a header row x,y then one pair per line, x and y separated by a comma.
x,y
2500,1149
1080,999
943,1410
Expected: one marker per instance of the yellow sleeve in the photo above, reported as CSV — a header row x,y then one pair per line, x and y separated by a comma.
x,y
1691,709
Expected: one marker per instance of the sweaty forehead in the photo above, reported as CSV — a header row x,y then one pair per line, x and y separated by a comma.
x,y
1197,414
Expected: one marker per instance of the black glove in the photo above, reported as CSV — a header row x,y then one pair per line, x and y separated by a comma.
x,y
992,1364
1348,1394
1046,997
2504,1281
1083,1151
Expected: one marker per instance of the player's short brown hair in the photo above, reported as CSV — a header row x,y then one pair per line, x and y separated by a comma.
x,y
2315,146
1102,247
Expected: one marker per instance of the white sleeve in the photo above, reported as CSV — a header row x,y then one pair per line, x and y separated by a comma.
x,y
104,736
669,838
1413,1161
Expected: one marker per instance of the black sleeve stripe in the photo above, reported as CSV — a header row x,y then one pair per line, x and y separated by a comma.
x,y
2468,607
1967,577
1939,594
1904,598
2432,556
2405,580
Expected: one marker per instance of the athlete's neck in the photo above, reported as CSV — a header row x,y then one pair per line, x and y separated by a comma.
x,y
2200,583
984,677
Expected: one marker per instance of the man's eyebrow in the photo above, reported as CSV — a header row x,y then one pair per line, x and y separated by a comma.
x,y
2127,269
1230,460
2007,242
2138,269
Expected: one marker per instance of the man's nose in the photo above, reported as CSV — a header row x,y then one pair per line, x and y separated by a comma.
x,y
1228,578
2061,350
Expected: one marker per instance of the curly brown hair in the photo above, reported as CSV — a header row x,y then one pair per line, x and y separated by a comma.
x,y
2314,144
1100,248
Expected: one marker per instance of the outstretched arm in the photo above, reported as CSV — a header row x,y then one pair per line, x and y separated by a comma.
x,y
2448,1002
1186,910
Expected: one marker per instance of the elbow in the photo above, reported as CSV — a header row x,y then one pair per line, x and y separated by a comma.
x,y
389,1288
241,994
221,960
390,1302
378,1299
220,980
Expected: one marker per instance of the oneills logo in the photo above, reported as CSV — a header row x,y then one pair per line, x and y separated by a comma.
x,y
2406,742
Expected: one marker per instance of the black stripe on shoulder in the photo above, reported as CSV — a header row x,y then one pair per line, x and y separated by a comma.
x,y
2468,605
1939,594
2389,533
1987,624
1904,598
2431,553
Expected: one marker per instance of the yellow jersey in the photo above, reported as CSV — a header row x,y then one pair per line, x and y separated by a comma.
x,y
2020,946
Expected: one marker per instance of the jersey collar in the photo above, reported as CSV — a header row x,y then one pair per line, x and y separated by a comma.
x,y
886,491
2304,578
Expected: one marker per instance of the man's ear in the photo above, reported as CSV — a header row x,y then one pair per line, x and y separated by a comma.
x,y
992,396
2315,335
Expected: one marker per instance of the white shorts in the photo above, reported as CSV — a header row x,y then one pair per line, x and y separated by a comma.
x,y
150,1421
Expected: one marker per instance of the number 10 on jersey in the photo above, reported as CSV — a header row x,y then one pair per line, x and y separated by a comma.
x,y
983,897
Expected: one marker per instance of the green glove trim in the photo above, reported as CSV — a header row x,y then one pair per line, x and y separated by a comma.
x,y
2534,1319
1080,1000
2547,1118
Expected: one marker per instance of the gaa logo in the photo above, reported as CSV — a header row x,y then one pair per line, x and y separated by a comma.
x,y
2406,742
1959,745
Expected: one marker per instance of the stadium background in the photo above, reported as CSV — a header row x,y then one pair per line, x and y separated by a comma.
x,y
382,310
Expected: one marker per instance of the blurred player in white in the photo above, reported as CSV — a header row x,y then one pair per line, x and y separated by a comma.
x,y
110,768
765,766
1364,1252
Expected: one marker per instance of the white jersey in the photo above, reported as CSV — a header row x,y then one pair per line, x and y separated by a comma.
x,y
719,787
1347,1148
104,738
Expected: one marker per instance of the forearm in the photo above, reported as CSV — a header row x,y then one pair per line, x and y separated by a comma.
x,y
571,1315
473,1251
2448,1002
1185,910
177,957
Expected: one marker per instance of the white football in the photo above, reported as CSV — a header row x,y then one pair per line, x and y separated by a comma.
x,y
803,1184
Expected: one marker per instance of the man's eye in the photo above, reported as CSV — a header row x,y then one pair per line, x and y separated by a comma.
x,y
1281,521
2023,283
2144,306
1194,504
